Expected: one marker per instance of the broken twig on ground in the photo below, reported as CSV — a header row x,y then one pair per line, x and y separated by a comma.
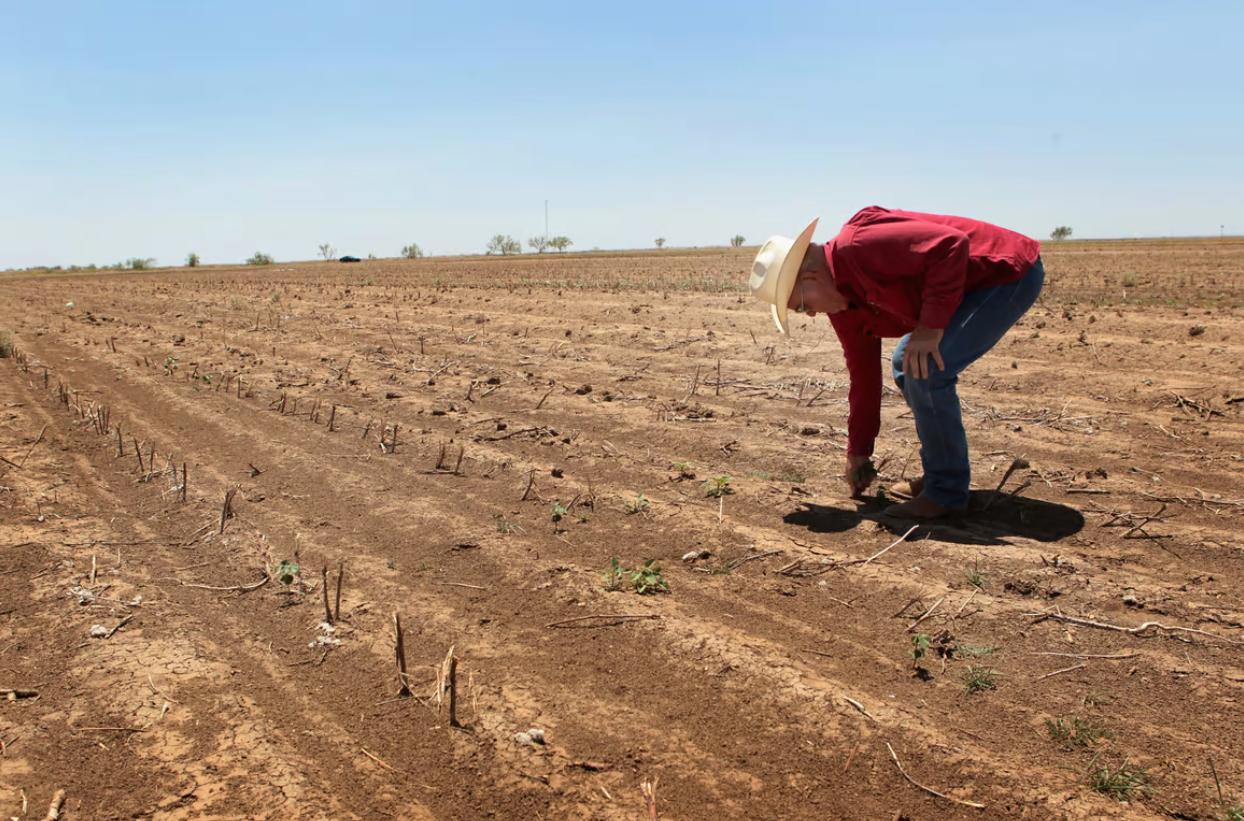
x,y
1139,630
929,790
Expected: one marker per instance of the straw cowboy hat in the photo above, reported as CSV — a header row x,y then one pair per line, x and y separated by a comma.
x,y
775,269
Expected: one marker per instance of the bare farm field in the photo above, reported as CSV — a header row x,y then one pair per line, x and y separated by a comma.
x,y
220,486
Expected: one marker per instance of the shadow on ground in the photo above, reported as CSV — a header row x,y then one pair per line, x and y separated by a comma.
x,y
984,524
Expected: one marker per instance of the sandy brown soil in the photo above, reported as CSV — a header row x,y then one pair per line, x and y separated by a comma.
x,y
775,677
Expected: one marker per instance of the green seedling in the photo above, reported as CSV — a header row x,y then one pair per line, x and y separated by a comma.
x,y
559,511
286,572
504,525
637,505
648,579
170,364
919,647
976,679
1118,782
684,470
976,578
974,650
717,487
1235,812
614,575
1075,732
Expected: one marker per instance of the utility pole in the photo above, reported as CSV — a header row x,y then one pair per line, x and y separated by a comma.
x,y
546,220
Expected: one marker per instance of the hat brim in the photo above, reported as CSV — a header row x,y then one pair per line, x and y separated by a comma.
x,y
787,275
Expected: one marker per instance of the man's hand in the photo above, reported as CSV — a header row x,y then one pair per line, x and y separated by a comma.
x,y
924,343
860,473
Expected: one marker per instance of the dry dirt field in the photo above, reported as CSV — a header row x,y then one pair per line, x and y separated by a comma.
x,y
471,438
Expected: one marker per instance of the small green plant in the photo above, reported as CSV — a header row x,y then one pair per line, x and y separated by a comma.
x,y
974,650
259,258
1075,732
637,505
286,571
504,525
6,346
684,470
1234,812
1118,782
559,511
976,577
976,679
170,364
614,575
919,647
717,487
648,579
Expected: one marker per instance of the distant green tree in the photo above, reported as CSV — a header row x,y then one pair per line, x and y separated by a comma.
x,y
560,243
327,251
737,241
192,260
140,263
259,258
504,244
538,244
412,251
1061,232
659,242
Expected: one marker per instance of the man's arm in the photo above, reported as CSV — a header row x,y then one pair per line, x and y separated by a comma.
x,y
863,355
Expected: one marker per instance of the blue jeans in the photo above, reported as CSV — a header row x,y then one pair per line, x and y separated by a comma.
x,y
982,319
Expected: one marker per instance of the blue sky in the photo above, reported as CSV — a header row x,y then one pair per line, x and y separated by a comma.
x,y
160,128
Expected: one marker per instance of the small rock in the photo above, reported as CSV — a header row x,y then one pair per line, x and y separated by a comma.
x,y
178,339
84,596
1130,600
583,390
557,473
1196,330
809,430
524,739
98,631
692,555
536,735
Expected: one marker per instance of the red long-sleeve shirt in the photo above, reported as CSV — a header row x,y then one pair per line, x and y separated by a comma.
x,y
903,269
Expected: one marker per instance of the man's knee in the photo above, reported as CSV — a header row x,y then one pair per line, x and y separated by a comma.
x,y
924,392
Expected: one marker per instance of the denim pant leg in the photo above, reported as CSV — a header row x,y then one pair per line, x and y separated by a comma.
x,y
982,319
